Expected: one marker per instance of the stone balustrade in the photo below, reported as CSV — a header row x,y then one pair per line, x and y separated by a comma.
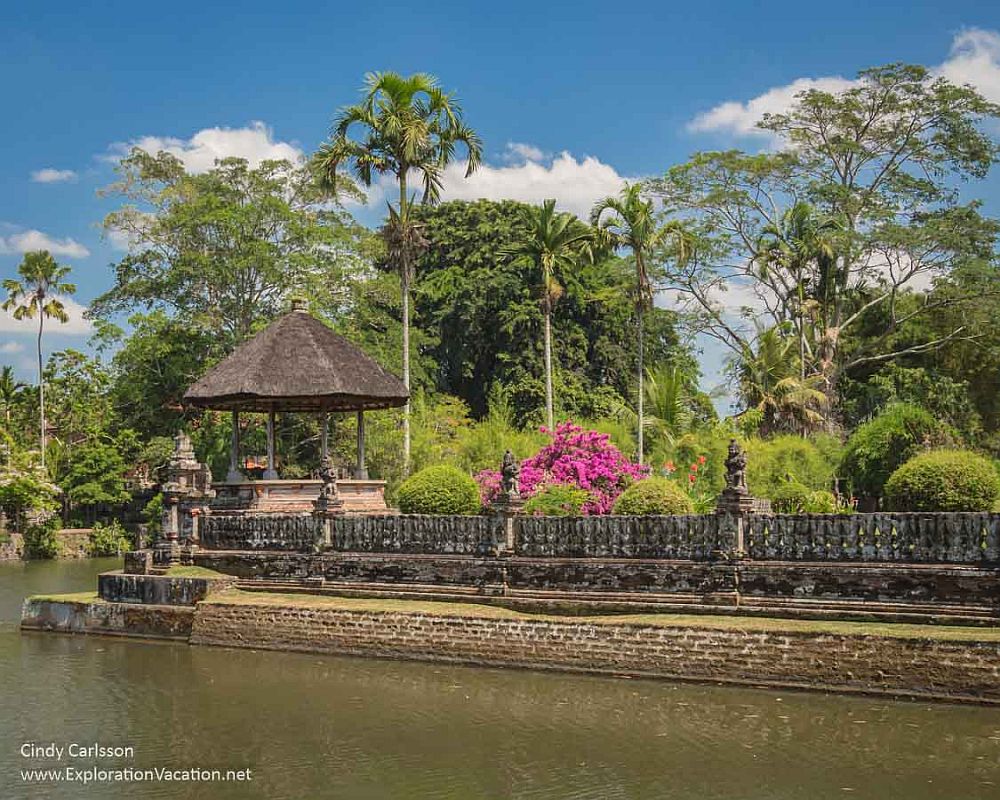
x,y
958,538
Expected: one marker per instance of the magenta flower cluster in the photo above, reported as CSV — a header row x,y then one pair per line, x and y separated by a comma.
x,y
578,457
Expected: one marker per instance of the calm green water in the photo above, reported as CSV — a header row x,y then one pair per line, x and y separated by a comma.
x,y
317,727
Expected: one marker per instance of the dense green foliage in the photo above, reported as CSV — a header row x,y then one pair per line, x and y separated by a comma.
x,y
108,540
41,539
944,480
877,448
441,489
557,500
771,462
654,496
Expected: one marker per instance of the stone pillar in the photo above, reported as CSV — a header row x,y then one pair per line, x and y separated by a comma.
x,y
235,475
270,473
361,471
735,501
324,437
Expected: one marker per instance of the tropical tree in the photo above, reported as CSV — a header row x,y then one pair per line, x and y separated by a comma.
x,y
628,221
10,388
37,294
404,125
555,244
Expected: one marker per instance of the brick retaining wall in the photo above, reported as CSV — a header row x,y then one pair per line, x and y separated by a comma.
x,y
843,662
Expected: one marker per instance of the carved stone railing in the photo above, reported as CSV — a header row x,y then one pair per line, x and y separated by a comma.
x,y
694,537
961,538
290,532
967,538
417,533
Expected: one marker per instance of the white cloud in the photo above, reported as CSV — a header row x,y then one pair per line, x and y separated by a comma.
x,y
77,325
740,119
576,184
255,143
52,175
9,348
26,241
974,59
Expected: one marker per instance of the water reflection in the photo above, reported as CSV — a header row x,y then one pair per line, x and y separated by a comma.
x,y
314,726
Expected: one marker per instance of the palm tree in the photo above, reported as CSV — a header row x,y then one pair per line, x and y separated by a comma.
x,y
553,245
669,397
631,224
406,125
37,294
10,388
799,254
771,384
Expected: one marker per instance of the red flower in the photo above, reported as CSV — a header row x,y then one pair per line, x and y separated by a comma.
x,y
691,478
694,467
701,459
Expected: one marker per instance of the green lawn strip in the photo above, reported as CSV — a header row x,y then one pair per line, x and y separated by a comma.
x,y
76,597
194,572
745,624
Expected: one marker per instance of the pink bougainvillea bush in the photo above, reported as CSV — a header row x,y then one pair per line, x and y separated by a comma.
x,y
576,457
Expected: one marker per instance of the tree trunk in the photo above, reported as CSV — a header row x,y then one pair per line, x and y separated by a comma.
x,y
640,329
41,383
549,415
405,281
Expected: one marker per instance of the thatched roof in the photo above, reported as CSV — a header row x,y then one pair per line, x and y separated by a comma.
x,y
297,364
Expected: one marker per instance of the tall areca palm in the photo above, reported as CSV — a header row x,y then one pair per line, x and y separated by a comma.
x,y
628,221
36,294
554,244
10,388
403,125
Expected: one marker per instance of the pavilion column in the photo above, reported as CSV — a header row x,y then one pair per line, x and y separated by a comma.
x,y
324,436
270,473
361,471
234,475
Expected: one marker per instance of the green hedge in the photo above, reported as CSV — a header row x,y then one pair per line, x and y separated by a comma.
x,y
876,449
439,490
654,496
794,498
557,500
944,480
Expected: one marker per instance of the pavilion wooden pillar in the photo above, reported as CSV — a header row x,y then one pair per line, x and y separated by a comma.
x,y
234,475
324,436
270,473
361,471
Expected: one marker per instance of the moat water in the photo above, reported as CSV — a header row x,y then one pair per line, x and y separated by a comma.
x,y
330,727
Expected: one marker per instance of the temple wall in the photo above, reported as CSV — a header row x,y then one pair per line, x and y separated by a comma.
x,y
840,661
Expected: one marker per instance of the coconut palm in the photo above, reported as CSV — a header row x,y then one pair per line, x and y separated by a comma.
x,y
554,244
36,294
628,221
10,388
403,126
798,254
770,383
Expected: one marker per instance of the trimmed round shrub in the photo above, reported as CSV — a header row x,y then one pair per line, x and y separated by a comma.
x,y
558,500
877,448
944,480
439,490
654,496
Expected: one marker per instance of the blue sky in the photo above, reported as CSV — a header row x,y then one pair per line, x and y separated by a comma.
x,y
569,100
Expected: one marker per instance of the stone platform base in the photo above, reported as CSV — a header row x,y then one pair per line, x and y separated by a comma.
x,y
947,663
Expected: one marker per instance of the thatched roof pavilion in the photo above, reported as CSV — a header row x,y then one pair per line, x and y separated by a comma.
x,y
296,364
